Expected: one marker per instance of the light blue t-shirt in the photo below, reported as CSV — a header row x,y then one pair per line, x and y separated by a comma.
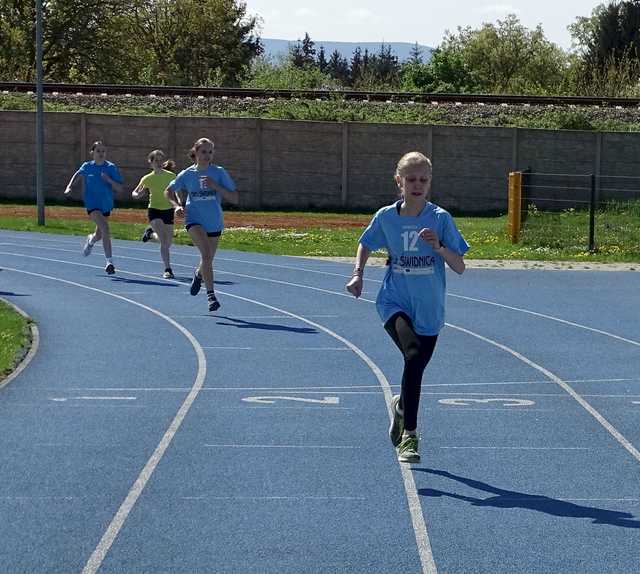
x,y
203,204
97,192
415,281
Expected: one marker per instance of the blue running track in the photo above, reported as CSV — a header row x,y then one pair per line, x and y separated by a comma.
x,y
148,435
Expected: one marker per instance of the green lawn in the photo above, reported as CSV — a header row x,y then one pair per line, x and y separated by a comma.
x,y
14,335
545,237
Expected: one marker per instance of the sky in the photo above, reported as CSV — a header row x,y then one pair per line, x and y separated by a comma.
x,y
422,21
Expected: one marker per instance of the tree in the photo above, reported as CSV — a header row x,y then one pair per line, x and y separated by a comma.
x,y
82,41
415,56
357,68
505,57
113,41
303,53
611,34
608,49
338,67
198,42
322,60
387,66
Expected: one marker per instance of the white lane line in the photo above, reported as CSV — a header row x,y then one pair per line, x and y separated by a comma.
x,y
99,554
303,446
550,317
221,348
415,509
274,498
414,503
517,448
476,300
321,389
31,353
617,435
63,399
253,317
284,349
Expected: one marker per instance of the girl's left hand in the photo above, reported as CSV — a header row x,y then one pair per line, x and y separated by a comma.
x,y
105,177
431,237
211,183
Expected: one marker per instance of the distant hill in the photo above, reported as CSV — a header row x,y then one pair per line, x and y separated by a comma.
x,y
274,48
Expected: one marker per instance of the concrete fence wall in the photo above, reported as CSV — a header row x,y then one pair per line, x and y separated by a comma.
x,y
306,165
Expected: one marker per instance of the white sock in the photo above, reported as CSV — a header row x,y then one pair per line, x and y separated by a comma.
x,y
109,260
92,239
407,434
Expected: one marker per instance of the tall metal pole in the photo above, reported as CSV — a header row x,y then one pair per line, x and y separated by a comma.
x,y
39,117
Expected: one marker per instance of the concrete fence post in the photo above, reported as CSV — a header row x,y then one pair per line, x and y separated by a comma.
x,y
345,165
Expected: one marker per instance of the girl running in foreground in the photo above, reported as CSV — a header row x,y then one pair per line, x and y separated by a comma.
x,y
419,237
160,211
206,185
100,177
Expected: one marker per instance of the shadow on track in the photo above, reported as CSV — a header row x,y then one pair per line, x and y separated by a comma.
x,y
513,499
242,324
117,279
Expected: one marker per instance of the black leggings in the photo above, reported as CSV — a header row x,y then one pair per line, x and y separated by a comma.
x,y
416,350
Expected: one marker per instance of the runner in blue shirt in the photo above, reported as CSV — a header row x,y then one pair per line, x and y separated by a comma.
x,y
100,178
206,185
419,237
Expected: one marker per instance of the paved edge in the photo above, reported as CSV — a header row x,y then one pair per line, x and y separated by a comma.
x,y
33,345
508,264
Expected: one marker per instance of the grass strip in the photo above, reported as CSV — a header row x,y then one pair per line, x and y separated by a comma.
x,y
14,338
546,236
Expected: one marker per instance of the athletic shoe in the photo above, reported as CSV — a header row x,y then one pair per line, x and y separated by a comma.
x,y
168,274
397,424
148,233
196,283
408,449
88,246
110,269
214,304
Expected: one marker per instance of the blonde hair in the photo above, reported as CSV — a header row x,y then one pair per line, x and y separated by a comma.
x,y
412,160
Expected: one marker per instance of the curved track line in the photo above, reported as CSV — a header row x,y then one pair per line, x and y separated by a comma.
x,y
99,554
33,349
475,300
554,378
565,386
415,509
550,317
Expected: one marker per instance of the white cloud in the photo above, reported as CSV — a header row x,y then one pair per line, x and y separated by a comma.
x,y
499,9
361,15
306,13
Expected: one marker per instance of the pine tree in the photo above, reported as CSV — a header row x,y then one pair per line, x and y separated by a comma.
x,y
356,66
415,56
308,50
321,60
338,67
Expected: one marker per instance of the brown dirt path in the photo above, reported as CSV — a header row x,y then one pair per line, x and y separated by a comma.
x,y
232,218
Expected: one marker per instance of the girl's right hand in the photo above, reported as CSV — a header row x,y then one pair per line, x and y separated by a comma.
x,y
178,210
354,286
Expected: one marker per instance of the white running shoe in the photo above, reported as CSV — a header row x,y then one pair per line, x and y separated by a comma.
x,y
88,246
